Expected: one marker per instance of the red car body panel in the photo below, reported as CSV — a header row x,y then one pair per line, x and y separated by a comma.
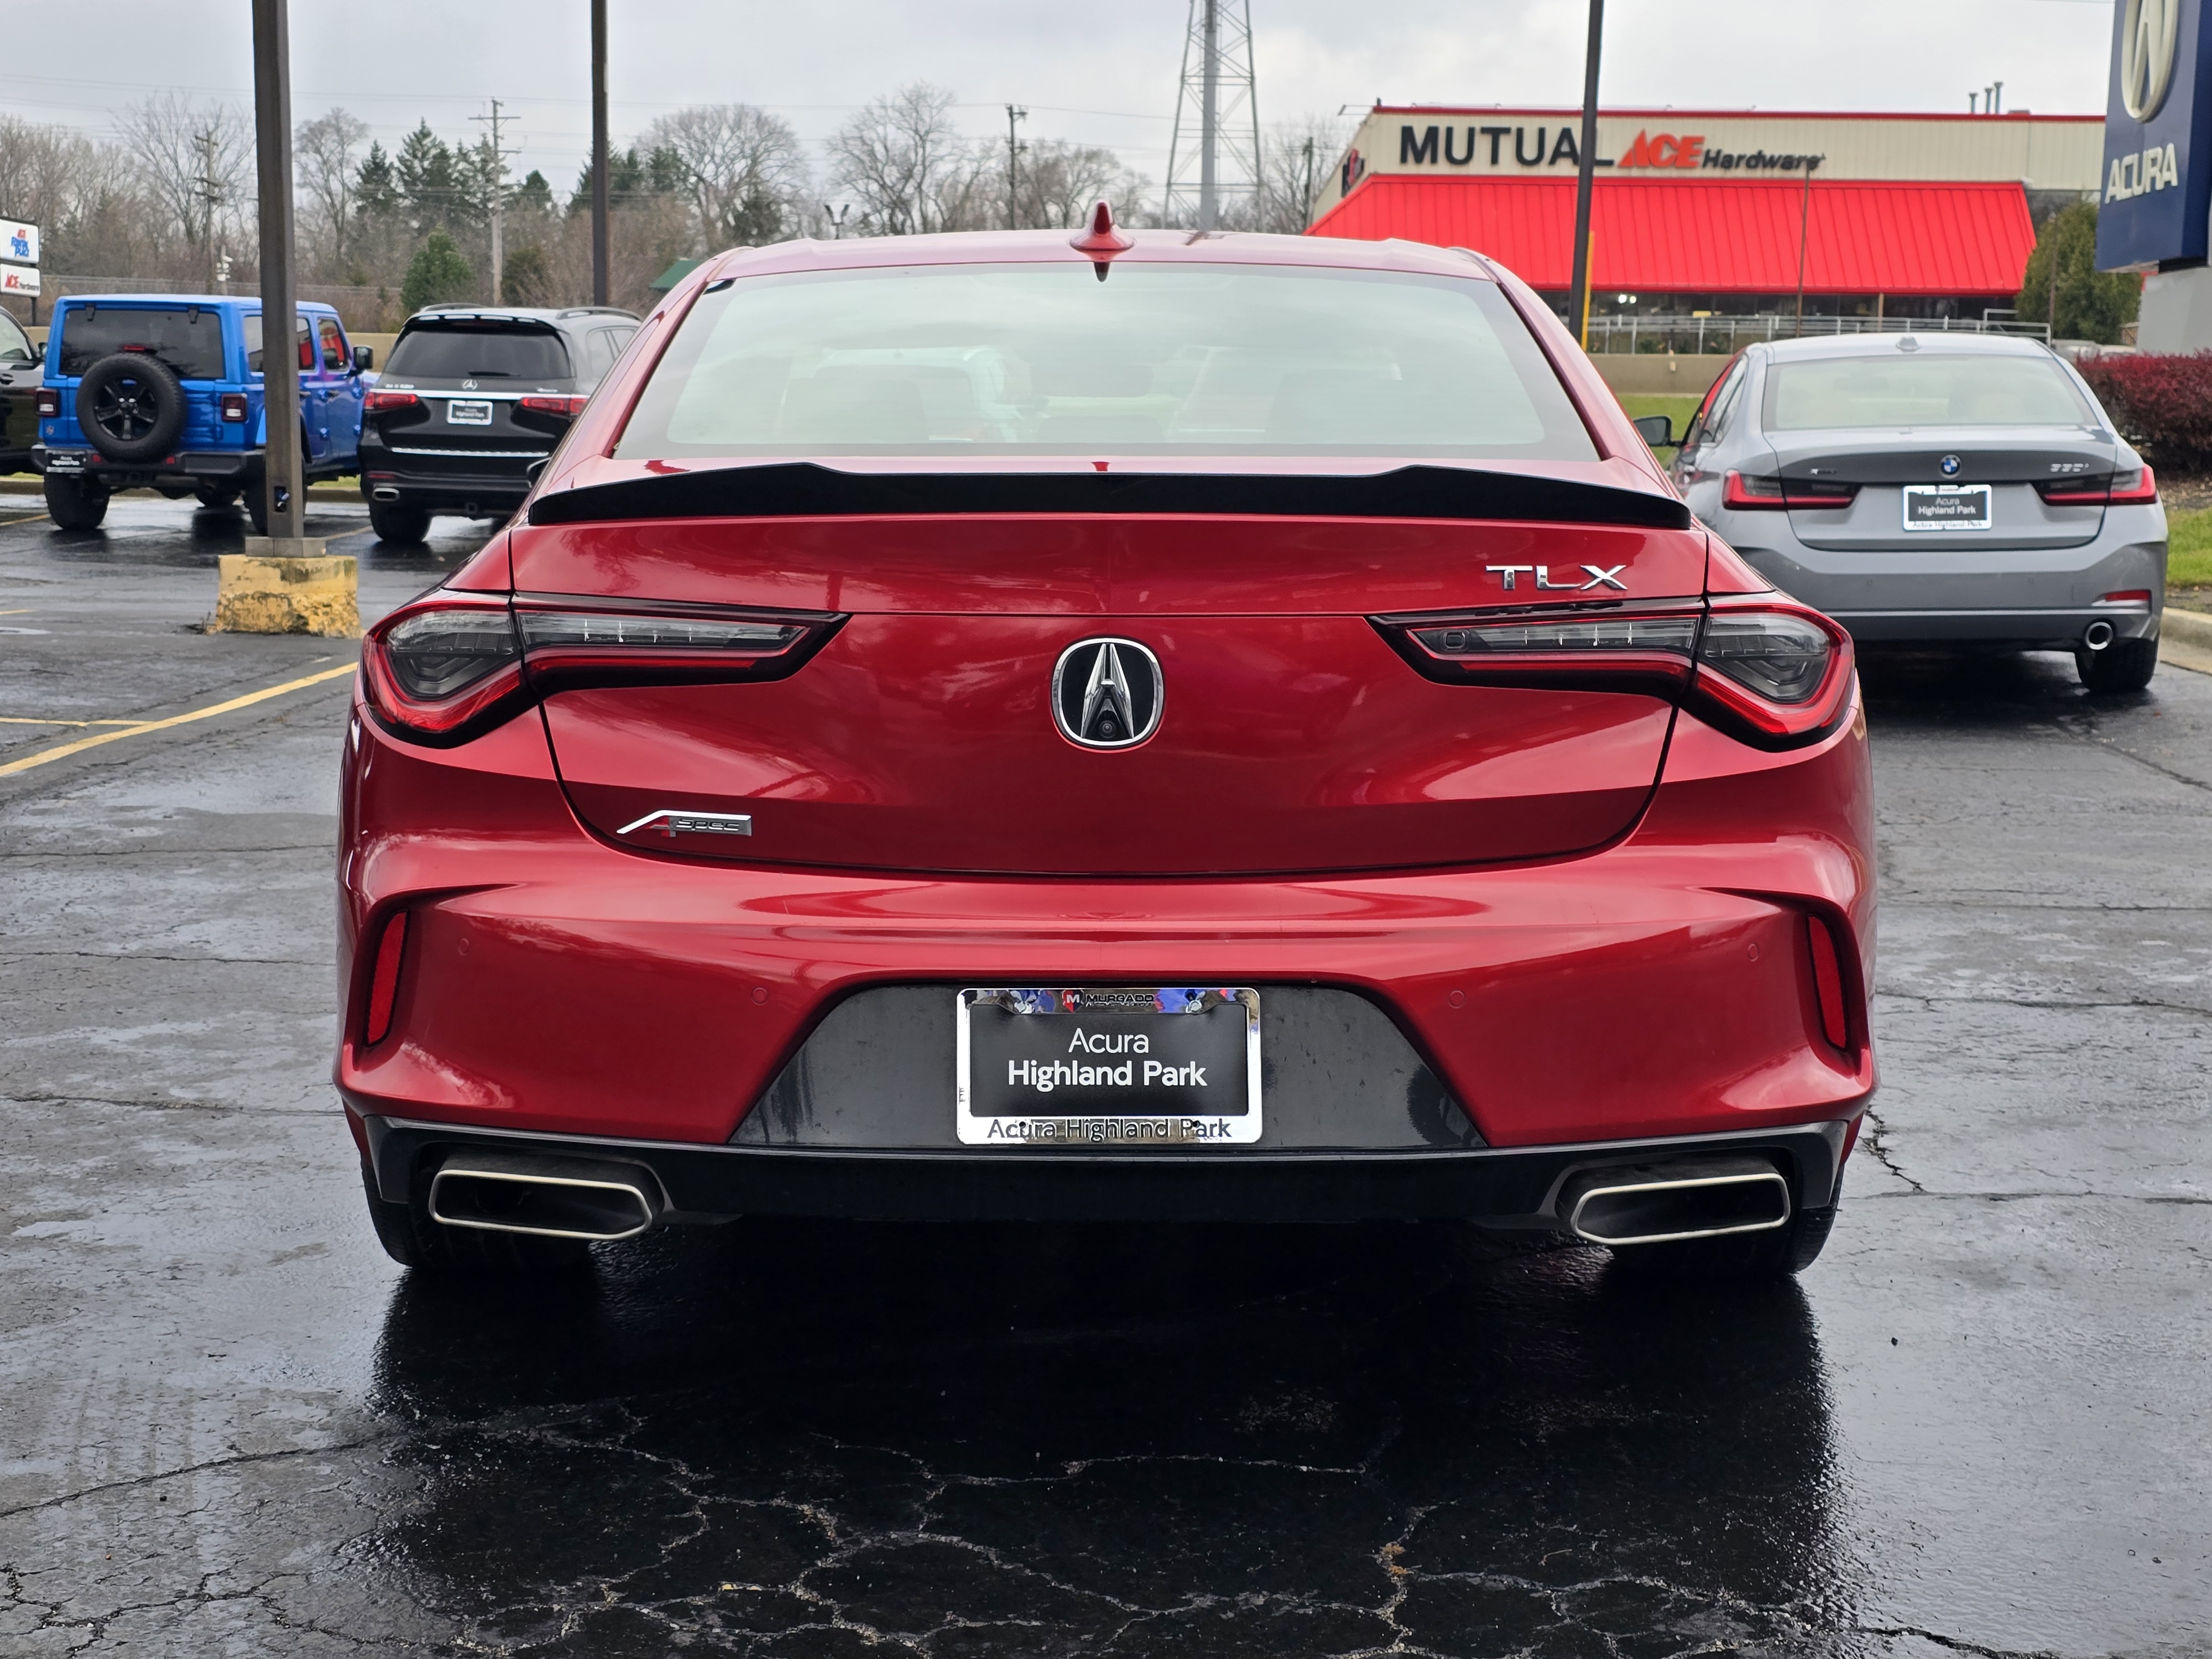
x,y
1586,910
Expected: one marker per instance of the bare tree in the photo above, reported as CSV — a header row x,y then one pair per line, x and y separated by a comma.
x,y
1295,160
195,163
903,162
328,163
747,173
1060,181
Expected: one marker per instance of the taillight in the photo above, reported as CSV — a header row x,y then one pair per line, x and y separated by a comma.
x,y
233,406
1774,675
387,403
563,406
453,666
1620,647
50,403
1743,492
2136,489
384,979
1828,983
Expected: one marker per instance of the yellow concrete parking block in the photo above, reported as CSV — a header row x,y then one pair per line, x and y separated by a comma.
x,y
258,591
63,750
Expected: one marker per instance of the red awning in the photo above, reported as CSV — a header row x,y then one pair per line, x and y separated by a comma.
x,y
1714,236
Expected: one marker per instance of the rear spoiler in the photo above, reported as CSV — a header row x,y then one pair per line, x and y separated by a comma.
x,y
803,489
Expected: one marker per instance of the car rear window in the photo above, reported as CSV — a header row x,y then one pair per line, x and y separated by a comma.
x,y
1926,388
478,351
1155,359
188,338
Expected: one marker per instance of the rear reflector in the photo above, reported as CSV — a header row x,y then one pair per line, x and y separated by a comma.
x,y
2132,599
384,980
1828,983
453,665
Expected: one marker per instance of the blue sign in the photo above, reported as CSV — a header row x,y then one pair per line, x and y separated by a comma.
x,y
2158,137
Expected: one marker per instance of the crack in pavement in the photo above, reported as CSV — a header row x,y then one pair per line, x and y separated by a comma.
x,y
64,1498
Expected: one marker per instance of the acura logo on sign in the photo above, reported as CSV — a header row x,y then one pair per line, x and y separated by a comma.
x,y
2148,29
1106,694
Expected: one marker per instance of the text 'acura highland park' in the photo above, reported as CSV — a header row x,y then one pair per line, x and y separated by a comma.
x,y
1136,726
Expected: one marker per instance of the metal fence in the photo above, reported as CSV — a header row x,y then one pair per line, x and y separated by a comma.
x,y
1699,335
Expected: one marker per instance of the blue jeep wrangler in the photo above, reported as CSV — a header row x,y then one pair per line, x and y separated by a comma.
x,y
165,390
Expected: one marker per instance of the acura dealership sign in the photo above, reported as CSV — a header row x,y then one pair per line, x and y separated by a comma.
x,y
2157,186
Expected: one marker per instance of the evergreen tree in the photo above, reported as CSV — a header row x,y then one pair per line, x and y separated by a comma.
x,y
438,275
534,195
2091,304
376,188
425,174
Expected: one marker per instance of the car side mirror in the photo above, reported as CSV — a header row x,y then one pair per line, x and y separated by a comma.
x,y
1657,430
536,468
364,358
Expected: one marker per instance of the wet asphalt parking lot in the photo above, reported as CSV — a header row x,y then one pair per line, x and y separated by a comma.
x,y
229,1425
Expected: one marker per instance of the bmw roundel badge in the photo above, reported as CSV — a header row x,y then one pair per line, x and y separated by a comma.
x,y
1107,693
1950,464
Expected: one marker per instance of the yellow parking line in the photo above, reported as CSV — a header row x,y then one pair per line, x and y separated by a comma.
x,y
33,519
61,749
25,611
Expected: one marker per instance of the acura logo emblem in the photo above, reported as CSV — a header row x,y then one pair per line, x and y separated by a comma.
x,y
2147,33
1106,694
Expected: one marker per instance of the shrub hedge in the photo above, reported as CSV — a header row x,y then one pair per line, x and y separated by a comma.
x,y
2162,404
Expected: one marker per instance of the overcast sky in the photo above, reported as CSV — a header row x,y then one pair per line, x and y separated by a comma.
x,y
1098,74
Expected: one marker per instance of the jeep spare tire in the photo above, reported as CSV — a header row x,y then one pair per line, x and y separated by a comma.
x,y
131,407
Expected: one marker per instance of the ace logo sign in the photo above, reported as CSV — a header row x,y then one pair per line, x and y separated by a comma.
x,y
19,242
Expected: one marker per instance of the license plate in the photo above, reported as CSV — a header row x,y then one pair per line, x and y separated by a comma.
x,y
462,412
1947,507
64,461
1103,1067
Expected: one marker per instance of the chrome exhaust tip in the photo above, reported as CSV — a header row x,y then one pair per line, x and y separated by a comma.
x,y
546,1197
1663,1203
2097,635
384,493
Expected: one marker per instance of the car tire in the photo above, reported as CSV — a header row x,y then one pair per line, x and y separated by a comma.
x,y
1786,1249
75,503
412,1239
130,407
257,509
2123,665
402,527
216,495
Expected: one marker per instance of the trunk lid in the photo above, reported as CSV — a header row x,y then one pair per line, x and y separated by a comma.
x,y
922,737
2013,462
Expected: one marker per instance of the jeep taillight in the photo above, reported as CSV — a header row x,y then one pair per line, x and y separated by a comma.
x,y
233,406
50,403
453,666
1765,670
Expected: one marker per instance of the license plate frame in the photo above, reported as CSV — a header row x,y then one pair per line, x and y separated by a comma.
x,y
478,411
1959,493
994,1025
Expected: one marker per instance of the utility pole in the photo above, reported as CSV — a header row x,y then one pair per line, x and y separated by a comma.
x,y
1209,123
1306,188
498,201
1585,174
599,152
210,194
280,299
1014,167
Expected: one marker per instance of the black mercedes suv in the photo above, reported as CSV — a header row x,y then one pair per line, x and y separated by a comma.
x,y
473,395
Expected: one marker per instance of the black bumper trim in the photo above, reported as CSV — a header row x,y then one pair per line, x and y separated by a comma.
x,y
1503,1186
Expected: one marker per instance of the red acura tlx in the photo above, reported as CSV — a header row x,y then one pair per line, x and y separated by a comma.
x,y
1133,725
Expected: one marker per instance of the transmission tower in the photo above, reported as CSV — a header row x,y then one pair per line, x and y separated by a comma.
x,y
1213,158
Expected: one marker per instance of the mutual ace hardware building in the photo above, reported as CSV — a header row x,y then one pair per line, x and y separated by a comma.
x,y
1922,215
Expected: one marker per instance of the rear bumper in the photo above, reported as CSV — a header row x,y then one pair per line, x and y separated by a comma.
x,y
1515,1187
453,483
554,987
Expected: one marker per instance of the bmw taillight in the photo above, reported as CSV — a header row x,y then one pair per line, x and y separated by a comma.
x,y
1746,492
50,403
2136,489
1767,670
453,665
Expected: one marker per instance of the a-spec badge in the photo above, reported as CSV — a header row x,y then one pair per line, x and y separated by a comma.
x,y
1599,575
1949,465
1107,693
671,822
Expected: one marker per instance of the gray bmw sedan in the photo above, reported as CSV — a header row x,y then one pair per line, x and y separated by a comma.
x,y
1949,488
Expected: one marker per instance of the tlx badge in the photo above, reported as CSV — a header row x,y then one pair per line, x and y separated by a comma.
x,y
1599,575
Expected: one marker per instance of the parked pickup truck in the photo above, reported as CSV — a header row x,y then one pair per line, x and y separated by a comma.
x,y
165,390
